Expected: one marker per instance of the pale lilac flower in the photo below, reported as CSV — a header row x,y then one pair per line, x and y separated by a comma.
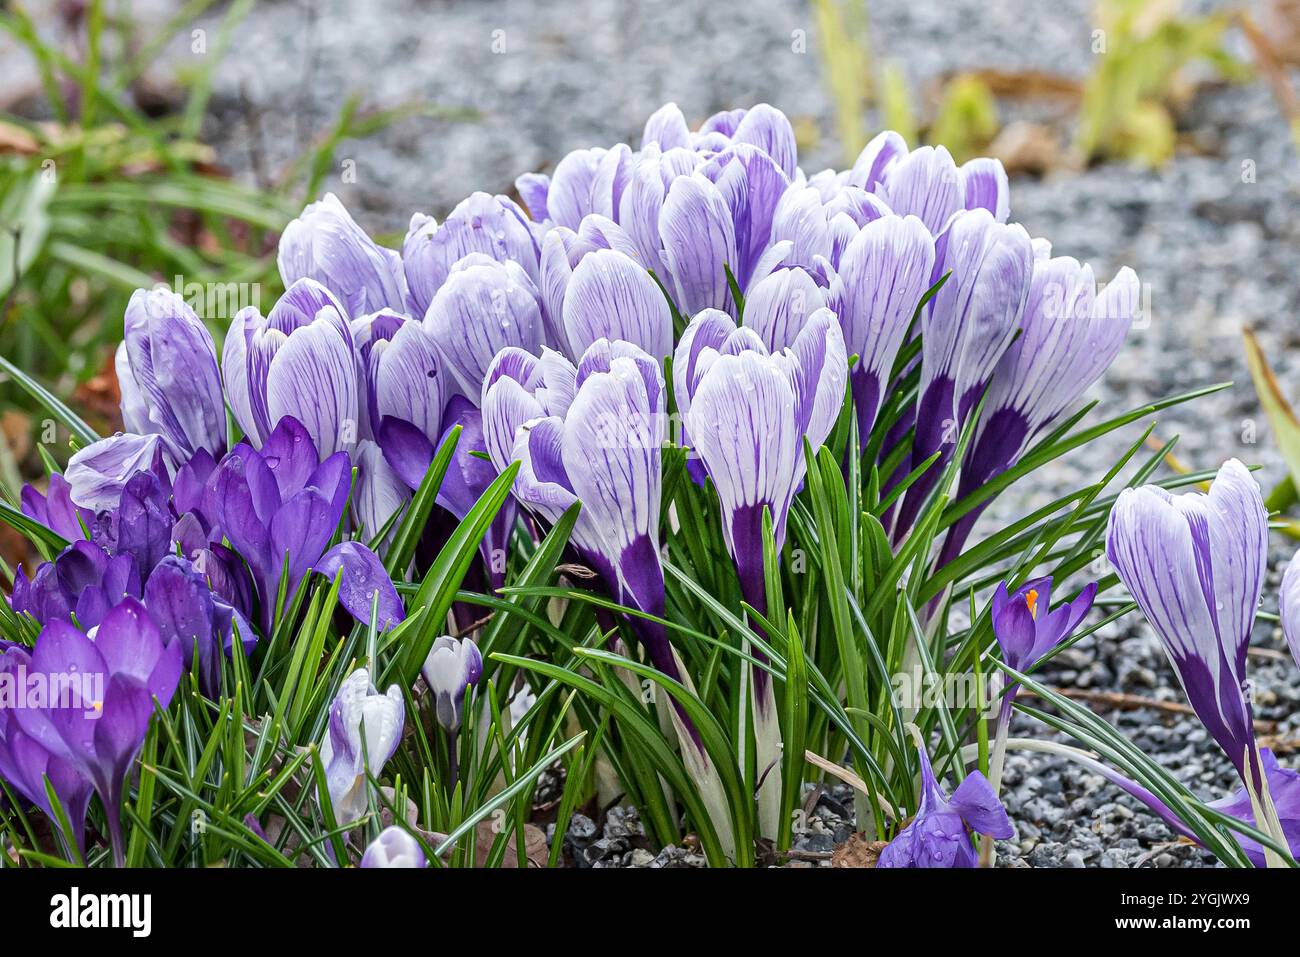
x,y
493,226
1289,605
965,330
1195,565
298,361
326,244
365,729
592,435
167,371
1071,334
401,373
450,669
820,217
394,847
97,473
881,276
483,307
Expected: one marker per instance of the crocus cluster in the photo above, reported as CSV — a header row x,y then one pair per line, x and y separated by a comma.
x,y
537,333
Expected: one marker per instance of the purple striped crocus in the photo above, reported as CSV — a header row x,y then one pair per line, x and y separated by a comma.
x,y
747,413
927,183
167,371
452,666
298,361
493,226
592,435
939,834
1070,335
1195,565
1289,605
325,244
98,724
965,331
881,276
595,286
820,217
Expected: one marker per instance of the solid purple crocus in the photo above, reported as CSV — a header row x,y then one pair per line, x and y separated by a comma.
x,y
84,580
1070,335
99,726
394,847
55,509
450,669
493,226
298,361
591,435
965,330
279,507
188,613
325,244
167,371
1195,565
939,835
1027,627
365,729
24,763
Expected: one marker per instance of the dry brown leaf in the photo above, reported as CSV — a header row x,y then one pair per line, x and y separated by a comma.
x,y
857,851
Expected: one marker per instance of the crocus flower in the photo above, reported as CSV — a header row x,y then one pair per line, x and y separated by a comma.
x,y
592,435
779,304
927,182
881,277
97,473
24,763
1195,565
820,217
965,331
394,847
483,307
401,372
594,292
450,669
1289,605
83,581
1071,334
55,509
298,361
747,414
939,835
494,226
279,504
1026,629
167,371
364,730
187,613
326,244
585,181
101,728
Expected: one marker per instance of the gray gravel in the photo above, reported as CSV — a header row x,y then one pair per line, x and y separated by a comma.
x,y
1213,251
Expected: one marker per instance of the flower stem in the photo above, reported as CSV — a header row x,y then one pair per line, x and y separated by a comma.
x,y
997,756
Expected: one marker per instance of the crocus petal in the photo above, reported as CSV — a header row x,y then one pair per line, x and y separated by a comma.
x,y
394,847
613,297
362,579
314,379
1289,605
97,473
699,240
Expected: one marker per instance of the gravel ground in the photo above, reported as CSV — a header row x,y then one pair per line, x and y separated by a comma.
x,y
1214,251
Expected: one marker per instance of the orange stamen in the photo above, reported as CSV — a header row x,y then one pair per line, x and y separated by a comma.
x,y
1031,599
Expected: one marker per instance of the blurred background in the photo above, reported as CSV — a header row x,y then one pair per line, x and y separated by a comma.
x,y
146,141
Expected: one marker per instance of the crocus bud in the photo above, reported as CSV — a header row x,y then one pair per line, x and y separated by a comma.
x,y
483,307
1195,565
451,667
167,371
1027,627
394,847
326,244
298,361
1289,605
364,730
494,226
